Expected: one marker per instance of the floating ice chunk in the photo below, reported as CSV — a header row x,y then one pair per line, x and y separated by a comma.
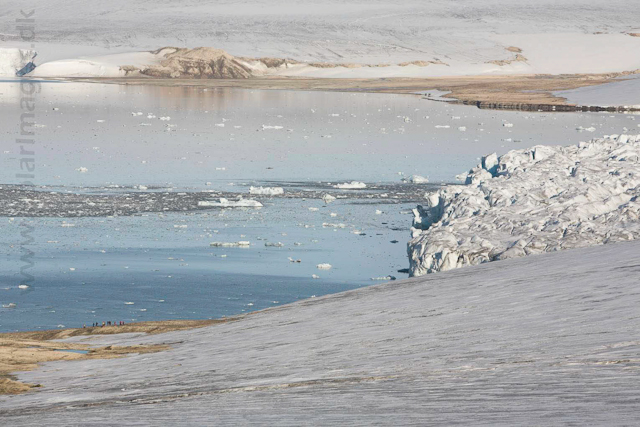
x,y
266,127
240,244
82,169
274,245
23,286
328,198
314,209
323,266
417,179
384,278
294,260
462,128
351,185
315,276
10,305
442,126
589,129
225,203
129,303
220,125
165,119
507,125
331,225
378,212
266,191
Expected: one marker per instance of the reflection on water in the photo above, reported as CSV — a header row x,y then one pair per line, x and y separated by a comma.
x,y
94,134
160,265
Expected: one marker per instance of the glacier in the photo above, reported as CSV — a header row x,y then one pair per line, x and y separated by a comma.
x,y
530,201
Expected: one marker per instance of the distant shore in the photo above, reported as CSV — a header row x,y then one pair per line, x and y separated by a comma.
x,y
511,92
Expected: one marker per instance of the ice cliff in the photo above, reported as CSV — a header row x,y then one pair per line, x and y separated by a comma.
x,y
541,199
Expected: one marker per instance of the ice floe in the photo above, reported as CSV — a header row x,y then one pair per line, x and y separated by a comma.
x,y
240,244
531,201
416,179
351,185
266,191
225,203
328,198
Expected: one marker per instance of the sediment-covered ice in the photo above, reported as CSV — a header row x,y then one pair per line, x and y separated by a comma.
x,y
541,199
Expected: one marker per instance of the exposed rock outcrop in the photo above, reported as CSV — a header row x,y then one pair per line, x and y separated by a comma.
x,y
201,62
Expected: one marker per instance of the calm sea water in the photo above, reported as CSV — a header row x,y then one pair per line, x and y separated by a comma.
x,y
91,138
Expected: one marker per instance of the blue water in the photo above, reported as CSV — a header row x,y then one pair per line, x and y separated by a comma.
x,y
87,136
86,273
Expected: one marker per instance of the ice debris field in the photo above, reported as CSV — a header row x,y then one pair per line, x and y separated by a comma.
x,y
531,201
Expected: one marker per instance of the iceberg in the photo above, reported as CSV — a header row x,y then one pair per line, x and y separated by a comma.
x,y
351,185
266,191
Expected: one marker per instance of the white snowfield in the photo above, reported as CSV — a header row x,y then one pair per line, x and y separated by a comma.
x,y
526,202
428,37
545,340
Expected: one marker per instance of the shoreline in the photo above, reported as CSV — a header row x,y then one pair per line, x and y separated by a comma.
x,y
366,341
24,351
511,92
